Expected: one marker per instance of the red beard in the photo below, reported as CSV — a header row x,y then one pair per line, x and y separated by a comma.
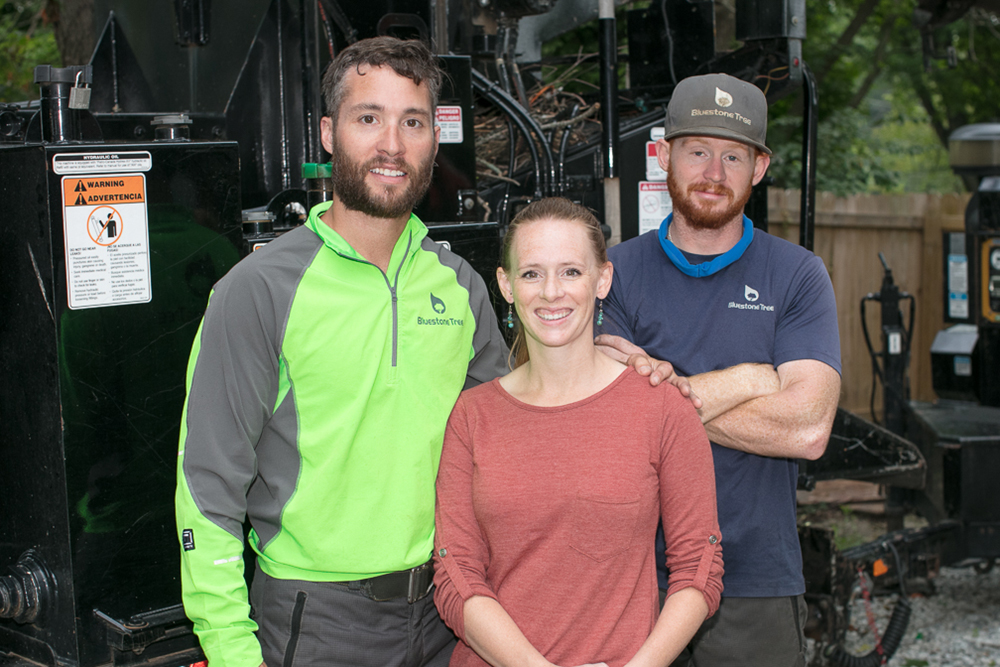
x,y
700,216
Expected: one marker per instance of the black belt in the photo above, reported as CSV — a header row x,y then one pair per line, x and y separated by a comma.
x,y
413,584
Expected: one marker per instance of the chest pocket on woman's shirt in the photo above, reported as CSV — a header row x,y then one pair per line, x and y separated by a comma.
x,y
603,527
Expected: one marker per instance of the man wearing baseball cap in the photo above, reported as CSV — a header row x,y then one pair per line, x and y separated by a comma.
x,y
751,319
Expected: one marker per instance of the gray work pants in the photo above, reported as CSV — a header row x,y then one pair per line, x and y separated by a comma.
x,y
308,624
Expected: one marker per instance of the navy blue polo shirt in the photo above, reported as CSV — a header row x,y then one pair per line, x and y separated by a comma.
x,y
772,304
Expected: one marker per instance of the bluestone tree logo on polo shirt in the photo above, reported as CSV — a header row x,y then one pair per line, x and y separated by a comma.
x,y
751,296
437,304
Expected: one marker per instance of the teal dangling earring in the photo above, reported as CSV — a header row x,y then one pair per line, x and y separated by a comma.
x,y
600,312
510,316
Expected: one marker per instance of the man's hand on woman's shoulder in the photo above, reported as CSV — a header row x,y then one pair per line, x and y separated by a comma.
x,y
658,370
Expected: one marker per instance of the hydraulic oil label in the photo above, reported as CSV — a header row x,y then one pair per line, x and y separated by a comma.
x,y
96,163
107,240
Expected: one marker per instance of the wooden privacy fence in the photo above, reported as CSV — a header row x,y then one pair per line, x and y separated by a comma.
x,y
850,232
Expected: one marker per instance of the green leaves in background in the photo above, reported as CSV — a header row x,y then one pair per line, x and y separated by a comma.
x,y
26,39
884,119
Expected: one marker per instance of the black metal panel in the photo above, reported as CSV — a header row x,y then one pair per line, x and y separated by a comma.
x,y
692,31
980,463
770,19
119,82
455,172
983,213
964,441
982,540
187,78
132,127
33,498
90,429
756,206
365,16
193,21
265,114
988,368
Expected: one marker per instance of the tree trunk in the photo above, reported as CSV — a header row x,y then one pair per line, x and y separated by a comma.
x,y
877,62
75,31
864,12
924,93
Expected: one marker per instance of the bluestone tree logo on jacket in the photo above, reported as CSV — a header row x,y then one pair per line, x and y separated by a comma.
x,y
437,304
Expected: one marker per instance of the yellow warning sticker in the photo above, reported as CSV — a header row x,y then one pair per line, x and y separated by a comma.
x,y
107,240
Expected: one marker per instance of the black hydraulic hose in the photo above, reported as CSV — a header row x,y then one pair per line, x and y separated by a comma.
x,y
511,163
524,121
514,109
876,371
328,29
336,12
501,57
532,148
807,206
515,71
563,143
670,42
893,636
901,573
909,329
610,131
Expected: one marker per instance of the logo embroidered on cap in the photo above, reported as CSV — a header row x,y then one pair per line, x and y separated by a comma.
x,y
722,98
750,294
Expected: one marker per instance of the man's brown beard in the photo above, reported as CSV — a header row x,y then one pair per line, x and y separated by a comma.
x,y
350,187
685,206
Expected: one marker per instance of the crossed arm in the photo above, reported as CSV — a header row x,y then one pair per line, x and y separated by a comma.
x,y
785,412
791,420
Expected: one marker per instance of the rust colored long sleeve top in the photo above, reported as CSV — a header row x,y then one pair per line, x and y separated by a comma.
x,y
552,512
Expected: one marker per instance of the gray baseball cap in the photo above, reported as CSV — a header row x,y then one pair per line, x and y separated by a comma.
x,y
718,105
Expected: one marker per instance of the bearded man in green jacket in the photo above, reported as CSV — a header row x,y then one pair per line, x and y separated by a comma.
x,y
318,389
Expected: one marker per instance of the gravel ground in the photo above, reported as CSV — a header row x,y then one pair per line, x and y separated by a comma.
x,y
958,626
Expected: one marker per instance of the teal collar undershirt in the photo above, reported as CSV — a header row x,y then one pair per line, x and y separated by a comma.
x,y
715,265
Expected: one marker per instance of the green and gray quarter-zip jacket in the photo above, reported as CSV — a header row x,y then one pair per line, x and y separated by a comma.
x,y
318,392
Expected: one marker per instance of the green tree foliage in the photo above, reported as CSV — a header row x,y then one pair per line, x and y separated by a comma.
x,y
849,159
885,110
27,39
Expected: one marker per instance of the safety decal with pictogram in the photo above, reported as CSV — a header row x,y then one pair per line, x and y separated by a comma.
x,y
107,240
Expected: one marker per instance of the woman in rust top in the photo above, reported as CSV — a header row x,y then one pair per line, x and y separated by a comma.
x,y
553,479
